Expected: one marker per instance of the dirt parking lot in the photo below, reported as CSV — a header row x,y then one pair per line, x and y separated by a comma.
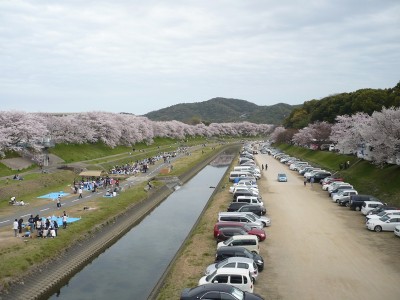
x,y
318,250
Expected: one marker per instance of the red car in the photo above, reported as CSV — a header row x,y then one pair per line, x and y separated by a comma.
x,y
258,232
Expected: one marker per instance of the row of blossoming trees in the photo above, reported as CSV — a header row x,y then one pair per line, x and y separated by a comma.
x,y
21,128
379,132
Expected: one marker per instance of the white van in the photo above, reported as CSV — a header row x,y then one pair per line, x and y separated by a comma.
x,y
236,277
249,200
248,241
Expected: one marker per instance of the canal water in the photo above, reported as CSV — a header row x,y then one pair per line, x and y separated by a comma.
x,y
133,265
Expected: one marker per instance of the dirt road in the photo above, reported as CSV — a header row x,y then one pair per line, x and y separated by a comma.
x,y
318,250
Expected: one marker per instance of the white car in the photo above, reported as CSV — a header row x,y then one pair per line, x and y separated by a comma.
x,y
265,220
236,277
245,188
235,262
245,184
369,206
383,213
335,185
397,230
342,194
385,223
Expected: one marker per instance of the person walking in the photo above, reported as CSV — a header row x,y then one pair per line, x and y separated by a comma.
x,y
305,181
311,181
80,193
266,167
262,167
15,227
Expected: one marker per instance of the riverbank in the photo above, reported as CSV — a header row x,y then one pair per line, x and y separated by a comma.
x,y
55,272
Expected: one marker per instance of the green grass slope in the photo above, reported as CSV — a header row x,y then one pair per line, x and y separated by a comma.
x,y
367,178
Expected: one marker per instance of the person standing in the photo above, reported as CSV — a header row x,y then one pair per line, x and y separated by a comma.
x,y
262,167
15,227
311,181
305,181
266,167
64,220
58,202
20,221
31,221
80,192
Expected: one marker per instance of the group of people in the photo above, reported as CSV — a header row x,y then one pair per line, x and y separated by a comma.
x,y
44,227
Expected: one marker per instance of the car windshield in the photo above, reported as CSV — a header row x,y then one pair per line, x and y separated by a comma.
x,y
221,263
251,217
247,227
384,218
382,213
228,241
237,293
211,276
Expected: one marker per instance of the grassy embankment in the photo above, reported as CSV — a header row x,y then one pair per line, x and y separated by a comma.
x,y
17,257
367,178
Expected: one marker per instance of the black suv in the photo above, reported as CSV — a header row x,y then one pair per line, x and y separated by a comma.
x,y
234,206
257,209
356,201
237,251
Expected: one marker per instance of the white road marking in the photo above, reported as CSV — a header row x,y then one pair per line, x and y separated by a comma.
x,y
45,209
5,221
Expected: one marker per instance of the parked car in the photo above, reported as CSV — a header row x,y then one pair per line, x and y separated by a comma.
x,y
226,233
249,200
230,251
250,242
218,291
382,214
356,201
368,206
247,193
239,278
256,209
260,233
282,177
342,194
235,206
381,208
385,223
320,175
241,188
235,262
240,217
264,219
397,230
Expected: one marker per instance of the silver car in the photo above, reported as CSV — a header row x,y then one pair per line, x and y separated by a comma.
x,y
235,262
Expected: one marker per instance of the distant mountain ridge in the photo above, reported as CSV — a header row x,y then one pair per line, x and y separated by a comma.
x,y
223,110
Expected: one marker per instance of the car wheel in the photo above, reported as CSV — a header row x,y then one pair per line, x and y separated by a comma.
x,y
378,228
347,204
358,208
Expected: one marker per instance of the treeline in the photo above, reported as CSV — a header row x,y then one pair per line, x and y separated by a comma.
x,y
328,108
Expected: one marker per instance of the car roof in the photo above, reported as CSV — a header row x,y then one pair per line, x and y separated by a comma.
x,y
238,271
244,236
239,259
222,287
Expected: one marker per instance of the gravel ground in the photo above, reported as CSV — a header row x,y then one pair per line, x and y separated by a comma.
x,y
318,250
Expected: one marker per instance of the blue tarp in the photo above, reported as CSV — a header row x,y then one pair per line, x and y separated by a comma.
x,y
54,195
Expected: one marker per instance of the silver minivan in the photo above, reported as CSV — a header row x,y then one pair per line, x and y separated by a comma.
x,y
240,217
249,199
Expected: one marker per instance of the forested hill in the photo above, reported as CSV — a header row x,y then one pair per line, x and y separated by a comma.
x,y
222,110
328,108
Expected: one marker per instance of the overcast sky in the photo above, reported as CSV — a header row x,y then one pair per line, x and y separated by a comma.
x,y
140,56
